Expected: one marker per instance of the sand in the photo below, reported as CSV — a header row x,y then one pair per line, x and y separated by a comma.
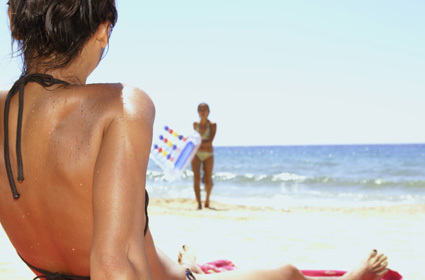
x,y
310,238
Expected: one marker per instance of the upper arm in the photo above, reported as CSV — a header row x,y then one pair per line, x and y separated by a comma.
x,y
213,131
119,185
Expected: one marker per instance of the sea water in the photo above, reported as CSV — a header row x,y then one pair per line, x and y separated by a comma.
x,y
288,176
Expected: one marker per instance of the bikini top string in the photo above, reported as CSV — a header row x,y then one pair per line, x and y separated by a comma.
x,y
46,81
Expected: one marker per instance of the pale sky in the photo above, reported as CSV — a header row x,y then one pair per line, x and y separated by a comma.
x,y
274,72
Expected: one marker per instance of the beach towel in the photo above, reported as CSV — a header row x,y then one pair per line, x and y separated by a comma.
x,y
226,265
390,275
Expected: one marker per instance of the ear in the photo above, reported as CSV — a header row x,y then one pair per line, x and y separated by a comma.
x,y
102,34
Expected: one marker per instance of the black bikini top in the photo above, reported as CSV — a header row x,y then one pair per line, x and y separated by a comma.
x,y
46,81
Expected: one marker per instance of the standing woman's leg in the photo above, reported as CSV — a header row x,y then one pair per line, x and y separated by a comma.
x,y
208,171
196,168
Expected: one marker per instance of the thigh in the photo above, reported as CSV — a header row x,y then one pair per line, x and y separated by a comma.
x,y
196,166
208,165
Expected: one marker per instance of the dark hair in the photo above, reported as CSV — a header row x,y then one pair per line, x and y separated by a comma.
x,y
51,33
203,104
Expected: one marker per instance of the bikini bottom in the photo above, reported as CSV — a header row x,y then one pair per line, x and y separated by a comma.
x,y
58,276
203,155
53,275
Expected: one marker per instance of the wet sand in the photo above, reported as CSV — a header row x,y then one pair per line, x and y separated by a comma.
x,y
310,238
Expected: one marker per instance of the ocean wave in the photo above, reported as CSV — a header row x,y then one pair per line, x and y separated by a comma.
x,y
287,177
250,177
224,176
292,178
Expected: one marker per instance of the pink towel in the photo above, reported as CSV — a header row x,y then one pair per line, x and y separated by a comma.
x,y
390,275
217,266
226,265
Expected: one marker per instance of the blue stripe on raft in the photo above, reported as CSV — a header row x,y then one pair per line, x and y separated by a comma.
x,y
185,155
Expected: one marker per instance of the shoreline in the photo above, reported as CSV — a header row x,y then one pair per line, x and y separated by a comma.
x,y
185,206
308,237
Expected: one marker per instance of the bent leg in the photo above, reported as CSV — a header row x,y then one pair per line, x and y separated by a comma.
x,y
196,168
208,170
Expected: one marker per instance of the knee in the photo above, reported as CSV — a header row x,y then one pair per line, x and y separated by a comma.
x,y
196,176
208,181
289,271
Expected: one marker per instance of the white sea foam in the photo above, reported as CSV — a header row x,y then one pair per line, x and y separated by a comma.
x,y
224,176
287,177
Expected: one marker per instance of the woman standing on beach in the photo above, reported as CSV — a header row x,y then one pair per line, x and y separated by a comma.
x,y
204,156
80,153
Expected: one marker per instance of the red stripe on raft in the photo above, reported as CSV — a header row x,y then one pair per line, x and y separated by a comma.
x,y
390,275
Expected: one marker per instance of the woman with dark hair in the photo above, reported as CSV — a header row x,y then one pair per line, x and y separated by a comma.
x,y
204,157
76,197
77,205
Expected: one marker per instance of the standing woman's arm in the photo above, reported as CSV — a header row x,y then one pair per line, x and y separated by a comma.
x,y
118,246
213,131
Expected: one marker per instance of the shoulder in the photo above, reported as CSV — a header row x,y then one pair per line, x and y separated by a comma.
x,y
4,90
118,101
134,102
3,94
126,97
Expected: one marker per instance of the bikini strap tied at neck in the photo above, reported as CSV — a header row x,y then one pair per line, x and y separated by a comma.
x,y
44,80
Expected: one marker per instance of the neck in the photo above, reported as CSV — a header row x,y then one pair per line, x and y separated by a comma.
x,y
69,76
62,75
76,72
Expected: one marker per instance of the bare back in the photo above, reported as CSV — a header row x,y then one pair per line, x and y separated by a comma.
x,y
51,224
